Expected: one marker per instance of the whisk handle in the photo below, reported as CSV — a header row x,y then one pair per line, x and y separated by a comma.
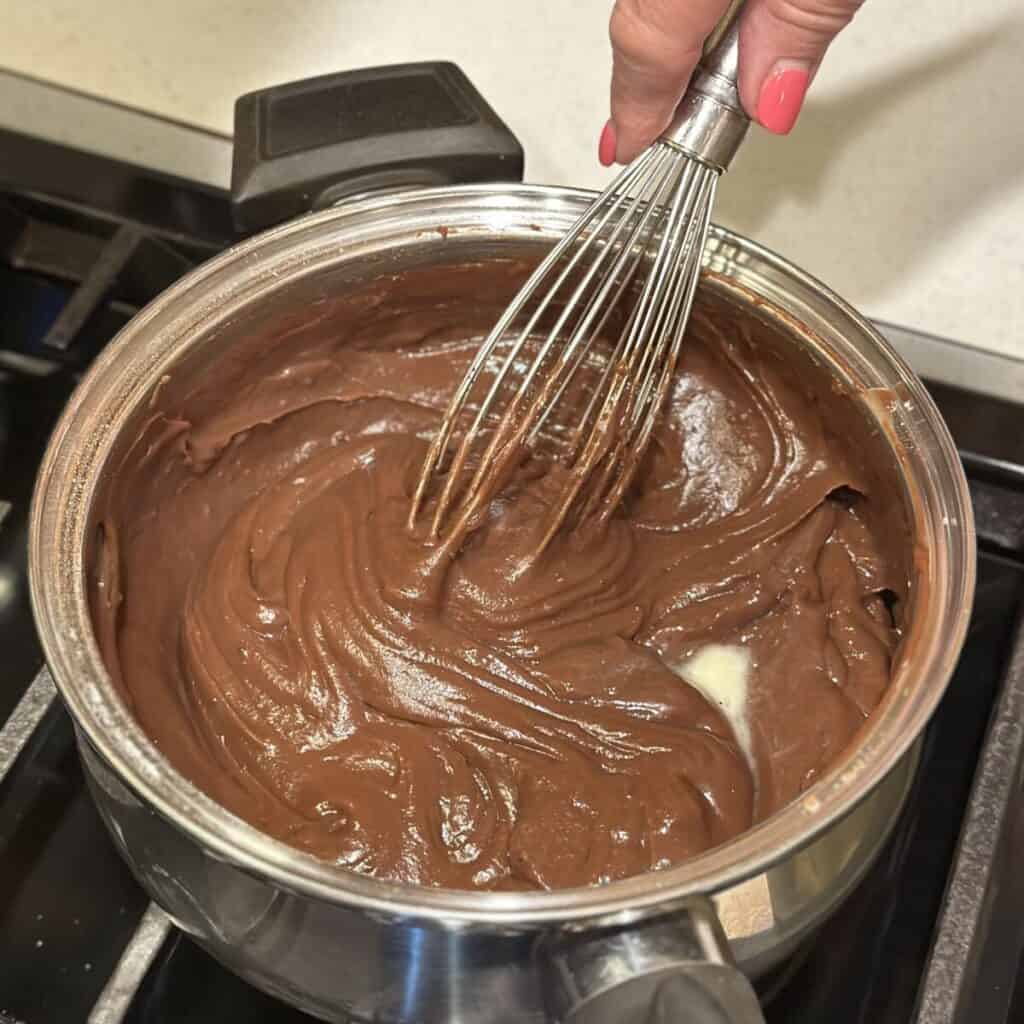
x,y
710,122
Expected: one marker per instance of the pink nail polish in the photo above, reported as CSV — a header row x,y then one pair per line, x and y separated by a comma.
x,y
782,96
606,147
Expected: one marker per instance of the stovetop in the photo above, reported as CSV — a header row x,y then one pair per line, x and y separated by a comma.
x,y
933,934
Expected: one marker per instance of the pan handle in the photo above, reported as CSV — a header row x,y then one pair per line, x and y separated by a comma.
x,y
674,969
307,145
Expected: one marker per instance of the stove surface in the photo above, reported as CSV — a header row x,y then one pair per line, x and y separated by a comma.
x,y
922,939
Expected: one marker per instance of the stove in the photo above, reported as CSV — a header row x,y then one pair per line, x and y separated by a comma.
x,y
89,232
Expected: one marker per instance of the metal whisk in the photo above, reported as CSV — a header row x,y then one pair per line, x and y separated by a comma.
x,y
633,256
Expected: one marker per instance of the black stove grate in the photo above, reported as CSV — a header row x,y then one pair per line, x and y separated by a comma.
x,y
79,940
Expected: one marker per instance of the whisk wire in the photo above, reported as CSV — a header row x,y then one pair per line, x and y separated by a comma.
x,y
623,182
655,216
637,441
619,368
508,423
687,221
645,347
640,220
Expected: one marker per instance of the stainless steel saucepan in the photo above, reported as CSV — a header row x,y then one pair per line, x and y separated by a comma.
x,y
342,946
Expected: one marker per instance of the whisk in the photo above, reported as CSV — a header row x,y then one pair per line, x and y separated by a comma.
x,y
635,254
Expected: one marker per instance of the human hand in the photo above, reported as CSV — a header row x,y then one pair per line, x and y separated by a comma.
x,y
656,45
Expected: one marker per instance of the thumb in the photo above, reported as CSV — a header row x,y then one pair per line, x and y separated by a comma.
x,y
655,47
782,43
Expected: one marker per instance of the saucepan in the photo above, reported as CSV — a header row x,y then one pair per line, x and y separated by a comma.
x,y
686,942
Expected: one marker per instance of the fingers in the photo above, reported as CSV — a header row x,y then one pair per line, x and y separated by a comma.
x,y
782,43
655,46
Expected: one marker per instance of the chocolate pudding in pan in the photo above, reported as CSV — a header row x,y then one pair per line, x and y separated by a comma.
x,y
480,718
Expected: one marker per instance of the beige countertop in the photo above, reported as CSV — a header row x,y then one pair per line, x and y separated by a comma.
x,y
902,186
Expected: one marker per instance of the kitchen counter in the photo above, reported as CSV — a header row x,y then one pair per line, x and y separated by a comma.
x,y
902,186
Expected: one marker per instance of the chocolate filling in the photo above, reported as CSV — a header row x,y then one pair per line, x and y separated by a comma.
x,y
490,720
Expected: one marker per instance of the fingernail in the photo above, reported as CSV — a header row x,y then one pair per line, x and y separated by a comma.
x,y
606,147
782,96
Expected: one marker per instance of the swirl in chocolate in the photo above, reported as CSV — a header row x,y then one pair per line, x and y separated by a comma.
x,y
482,719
